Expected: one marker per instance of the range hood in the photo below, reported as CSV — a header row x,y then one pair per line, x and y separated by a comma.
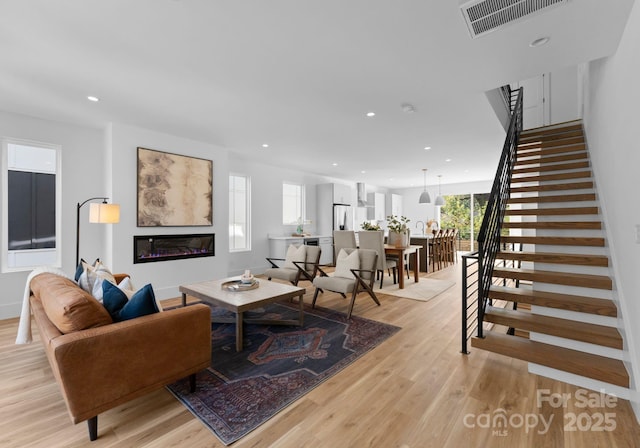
x,y
362,195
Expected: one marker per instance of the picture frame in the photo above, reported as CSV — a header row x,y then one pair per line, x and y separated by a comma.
x,y
174,190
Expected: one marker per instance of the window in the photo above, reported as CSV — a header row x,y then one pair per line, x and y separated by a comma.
x,y
292,204
30,203
465,212
239,213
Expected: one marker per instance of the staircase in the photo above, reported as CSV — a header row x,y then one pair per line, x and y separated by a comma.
x,y
562,271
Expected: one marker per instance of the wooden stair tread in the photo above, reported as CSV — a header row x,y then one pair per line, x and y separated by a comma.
x,y
554,326
527,152
556,225
526,160
553,198
569,302
551,136
552,211
549,130
545,143
556,167
554,240
555,257
554,187
552,177
608,370
556,278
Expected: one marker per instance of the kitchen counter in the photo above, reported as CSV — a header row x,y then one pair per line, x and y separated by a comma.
x,y
289,237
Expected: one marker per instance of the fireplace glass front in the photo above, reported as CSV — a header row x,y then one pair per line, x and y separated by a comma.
x,y
150,248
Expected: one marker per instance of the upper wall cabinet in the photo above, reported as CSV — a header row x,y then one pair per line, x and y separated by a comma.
x,y
337,193
376,206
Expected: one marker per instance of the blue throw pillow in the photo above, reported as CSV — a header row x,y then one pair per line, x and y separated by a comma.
x,y
113,298
120,308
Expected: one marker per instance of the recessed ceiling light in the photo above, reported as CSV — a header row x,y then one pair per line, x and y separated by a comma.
x,y
539,41
95,99
334,164
265,145
362,172
371,114
447,160
427,148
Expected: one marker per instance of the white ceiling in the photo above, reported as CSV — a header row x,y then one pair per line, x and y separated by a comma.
x,y
296,74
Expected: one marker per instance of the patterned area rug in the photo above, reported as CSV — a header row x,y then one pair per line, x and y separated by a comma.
x,y
278,365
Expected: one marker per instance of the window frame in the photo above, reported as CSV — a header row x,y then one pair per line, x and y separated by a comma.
x,y
247,206
4,179
302,204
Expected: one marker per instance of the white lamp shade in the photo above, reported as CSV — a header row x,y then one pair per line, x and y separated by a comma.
x,y
104,213
439,200
425,198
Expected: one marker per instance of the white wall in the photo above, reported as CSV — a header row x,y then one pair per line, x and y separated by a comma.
x,y
611,117
83,175
165,276
563,95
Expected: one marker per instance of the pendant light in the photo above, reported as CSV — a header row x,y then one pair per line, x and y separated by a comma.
x,y
439,198
424,197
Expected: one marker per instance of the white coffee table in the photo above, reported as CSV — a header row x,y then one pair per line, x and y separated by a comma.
x,y
240,301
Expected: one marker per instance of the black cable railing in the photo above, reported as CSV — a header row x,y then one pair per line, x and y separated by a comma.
x,y
490,231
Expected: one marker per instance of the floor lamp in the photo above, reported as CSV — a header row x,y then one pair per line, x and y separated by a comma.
x,y
102,213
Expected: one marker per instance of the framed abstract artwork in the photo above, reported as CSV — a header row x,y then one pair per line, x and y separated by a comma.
x,y
174,190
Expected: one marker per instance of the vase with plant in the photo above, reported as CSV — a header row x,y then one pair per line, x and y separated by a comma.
x,y
398,230
368,226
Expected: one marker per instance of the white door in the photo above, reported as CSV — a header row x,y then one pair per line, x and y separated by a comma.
x,y
535,105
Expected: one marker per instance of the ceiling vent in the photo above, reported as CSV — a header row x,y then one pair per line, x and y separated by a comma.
x,y
484,16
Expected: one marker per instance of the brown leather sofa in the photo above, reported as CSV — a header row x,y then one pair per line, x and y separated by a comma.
x,y
100,364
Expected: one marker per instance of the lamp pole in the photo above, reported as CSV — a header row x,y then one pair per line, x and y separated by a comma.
x,y
104,201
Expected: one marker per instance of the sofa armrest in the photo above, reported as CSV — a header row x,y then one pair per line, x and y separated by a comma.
x,y
105,366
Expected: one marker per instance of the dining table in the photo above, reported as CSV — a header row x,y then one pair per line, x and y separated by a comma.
x,y
413,251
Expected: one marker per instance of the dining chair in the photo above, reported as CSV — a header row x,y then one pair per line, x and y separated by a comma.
x,y
343,239
355,270
374,240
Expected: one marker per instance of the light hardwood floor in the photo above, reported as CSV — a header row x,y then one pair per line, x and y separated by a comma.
x,y
414,390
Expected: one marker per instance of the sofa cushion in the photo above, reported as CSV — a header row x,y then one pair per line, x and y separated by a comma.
x,y
67,306
120,307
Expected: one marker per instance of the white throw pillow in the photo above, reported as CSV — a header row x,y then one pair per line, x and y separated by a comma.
x,y
91,279
345,263
294,253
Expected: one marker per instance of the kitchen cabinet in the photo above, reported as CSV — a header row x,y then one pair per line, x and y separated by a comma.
x,y
334,193
341,194
326,247
395,204
278,246
376,209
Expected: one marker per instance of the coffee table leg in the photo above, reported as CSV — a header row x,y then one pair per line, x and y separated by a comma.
x,y
301,310
239,331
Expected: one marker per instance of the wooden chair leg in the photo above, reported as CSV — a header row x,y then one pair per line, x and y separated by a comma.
x,y
92,424
315,296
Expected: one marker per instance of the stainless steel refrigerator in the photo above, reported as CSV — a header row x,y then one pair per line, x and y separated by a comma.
x,y
342,217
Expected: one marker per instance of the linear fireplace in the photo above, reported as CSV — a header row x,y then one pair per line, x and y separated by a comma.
x,y
150,248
